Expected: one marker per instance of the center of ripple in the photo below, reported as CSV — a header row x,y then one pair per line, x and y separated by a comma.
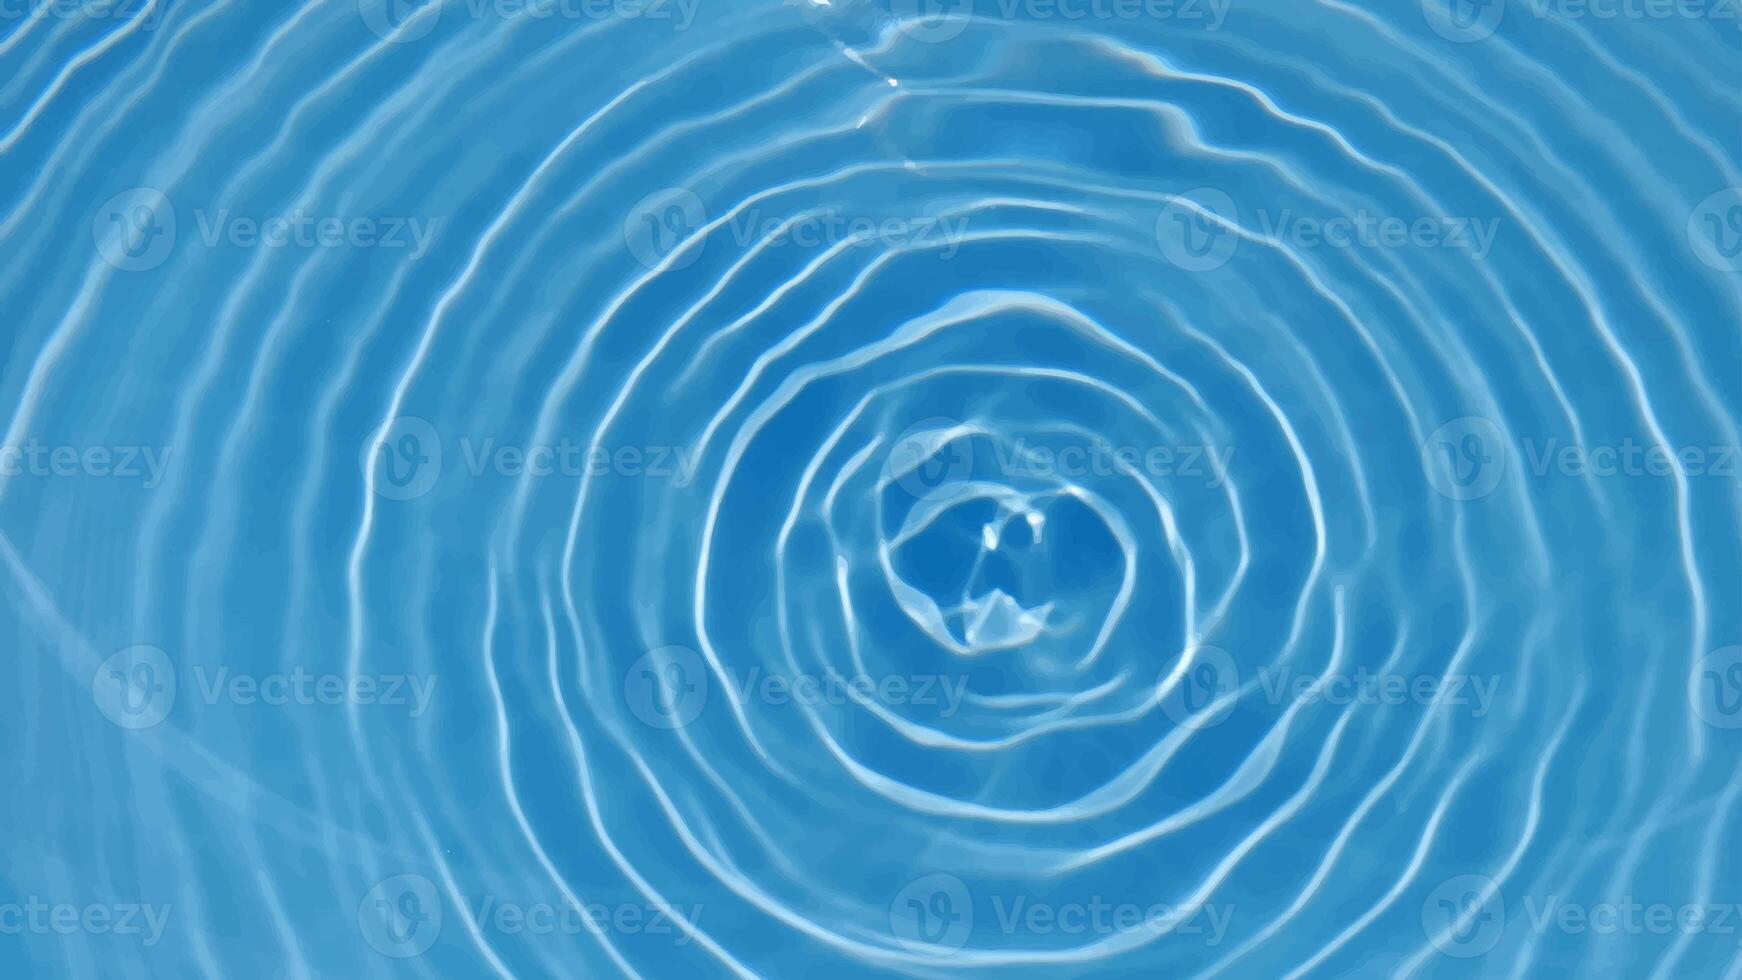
x,y
982,567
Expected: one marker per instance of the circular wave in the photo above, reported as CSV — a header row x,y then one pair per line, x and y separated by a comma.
x,y
1035,489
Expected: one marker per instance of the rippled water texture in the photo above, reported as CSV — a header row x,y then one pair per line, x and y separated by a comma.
x,y
1034,488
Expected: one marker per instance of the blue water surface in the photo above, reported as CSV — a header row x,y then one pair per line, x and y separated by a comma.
x,y
871,488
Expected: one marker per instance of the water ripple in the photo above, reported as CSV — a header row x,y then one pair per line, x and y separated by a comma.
x,y
1082,487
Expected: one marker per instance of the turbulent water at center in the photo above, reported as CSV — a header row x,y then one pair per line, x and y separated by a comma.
x,y
801,489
